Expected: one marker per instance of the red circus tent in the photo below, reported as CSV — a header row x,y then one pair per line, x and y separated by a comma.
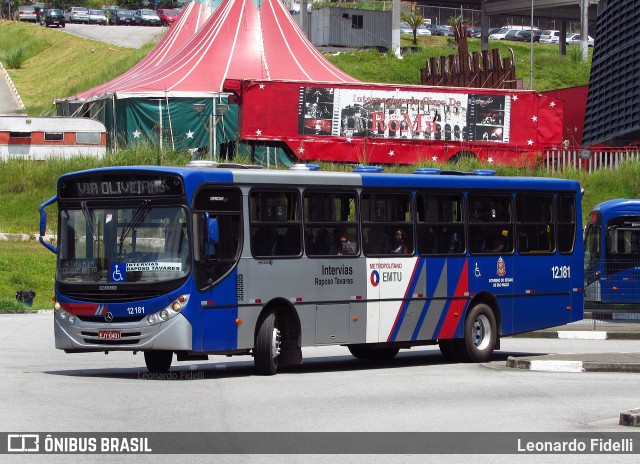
x,y
190,20
242,39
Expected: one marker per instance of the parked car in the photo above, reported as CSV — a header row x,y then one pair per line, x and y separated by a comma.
x,y
97,17
76,14
575,39
550,37
119,17
146,18
25,13
499,34
511,35
525,36
420,30
52,17
167,15
438,29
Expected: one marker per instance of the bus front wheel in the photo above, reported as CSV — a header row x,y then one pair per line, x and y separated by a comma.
x,y
158,362
480,334
267,346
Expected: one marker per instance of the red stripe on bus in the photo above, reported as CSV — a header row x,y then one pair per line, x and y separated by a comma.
x,y
452,319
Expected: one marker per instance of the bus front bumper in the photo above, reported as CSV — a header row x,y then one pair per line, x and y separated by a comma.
x,y
174,334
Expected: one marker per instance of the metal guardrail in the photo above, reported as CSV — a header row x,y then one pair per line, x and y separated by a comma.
x,y
556,160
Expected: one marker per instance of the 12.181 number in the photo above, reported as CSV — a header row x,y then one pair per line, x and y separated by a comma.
x,y
561,272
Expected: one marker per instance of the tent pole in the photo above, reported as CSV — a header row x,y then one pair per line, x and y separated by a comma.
x,y
173,145
114,129
160,123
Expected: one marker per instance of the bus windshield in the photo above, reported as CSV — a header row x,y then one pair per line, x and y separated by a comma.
x,y
134,244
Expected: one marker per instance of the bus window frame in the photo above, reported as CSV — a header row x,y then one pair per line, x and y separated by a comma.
x,y
272,227
429,224
524,224
351,230
490,230
388,227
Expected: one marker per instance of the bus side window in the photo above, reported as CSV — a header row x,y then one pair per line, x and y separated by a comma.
x,y
566,223
275,223
490,224
384,215
331,223
439,224
535,223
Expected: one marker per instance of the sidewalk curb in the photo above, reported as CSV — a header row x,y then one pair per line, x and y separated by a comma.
x,y
582,335
549,365
12,87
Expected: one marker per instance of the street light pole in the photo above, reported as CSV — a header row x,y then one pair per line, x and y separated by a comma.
x,y
531,51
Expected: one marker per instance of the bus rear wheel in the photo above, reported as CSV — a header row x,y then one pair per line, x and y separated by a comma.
x,y
369,353
480,334
158,362
267,346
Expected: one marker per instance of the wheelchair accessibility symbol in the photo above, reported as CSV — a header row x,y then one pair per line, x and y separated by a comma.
x,y
118,272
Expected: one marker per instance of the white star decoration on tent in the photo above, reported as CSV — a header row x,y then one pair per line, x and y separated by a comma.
x,y
434,158
534,118
189,134
552,104
392,153
261,86
349,139
136,134
300,149
258,132
529,142
489,160
515,98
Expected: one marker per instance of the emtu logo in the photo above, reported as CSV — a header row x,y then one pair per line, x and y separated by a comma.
x,y
374,278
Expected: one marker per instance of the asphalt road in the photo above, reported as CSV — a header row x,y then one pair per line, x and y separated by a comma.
x,y
121,36
46,390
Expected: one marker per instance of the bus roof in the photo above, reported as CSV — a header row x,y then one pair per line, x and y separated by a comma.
x,y
49,124
618,206
266,177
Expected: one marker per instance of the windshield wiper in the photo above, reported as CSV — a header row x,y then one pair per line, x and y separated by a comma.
x,y
88,218
137,218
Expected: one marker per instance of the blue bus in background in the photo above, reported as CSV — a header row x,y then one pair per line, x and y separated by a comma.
x,y
224,260
612,256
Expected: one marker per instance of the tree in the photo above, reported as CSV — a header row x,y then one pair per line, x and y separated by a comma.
x,y
414,20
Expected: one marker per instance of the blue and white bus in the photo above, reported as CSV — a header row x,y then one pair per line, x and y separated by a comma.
x,y
612,255
197,261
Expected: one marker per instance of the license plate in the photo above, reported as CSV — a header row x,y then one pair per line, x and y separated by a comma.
x,y
109,334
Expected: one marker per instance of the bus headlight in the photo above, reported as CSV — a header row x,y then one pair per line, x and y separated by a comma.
x,y
64,315
170,311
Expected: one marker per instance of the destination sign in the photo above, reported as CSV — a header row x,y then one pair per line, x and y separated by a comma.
x,y
121,186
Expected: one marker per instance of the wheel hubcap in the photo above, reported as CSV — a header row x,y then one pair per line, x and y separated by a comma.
x,y
481,332
275,343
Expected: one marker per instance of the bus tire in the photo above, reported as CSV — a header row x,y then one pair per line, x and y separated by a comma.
x,y
267,346
480,334
158,362
375,354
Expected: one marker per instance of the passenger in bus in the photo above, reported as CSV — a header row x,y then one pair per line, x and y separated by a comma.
x,y
500,242
346,247
399,244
